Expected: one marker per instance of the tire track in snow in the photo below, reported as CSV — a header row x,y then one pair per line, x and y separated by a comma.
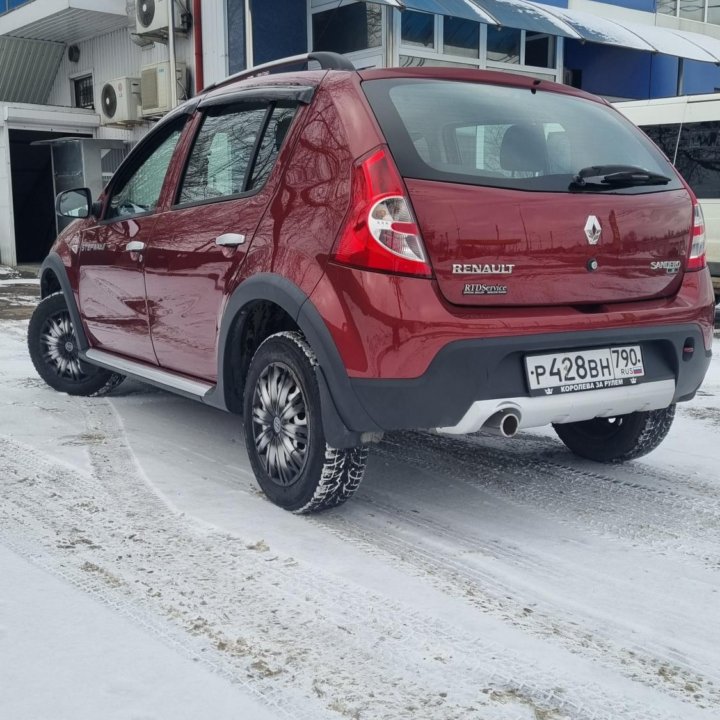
x,y
90,546
635,475
233,600
654,664
650,515
659,665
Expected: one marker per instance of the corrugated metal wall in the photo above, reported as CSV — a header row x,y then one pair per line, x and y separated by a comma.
x,y
27,69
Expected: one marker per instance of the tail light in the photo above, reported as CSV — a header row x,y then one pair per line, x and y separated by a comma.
x,y
696,260
381,232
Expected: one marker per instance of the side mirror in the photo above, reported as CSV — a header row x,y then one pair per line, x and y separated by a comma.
x,y
74,203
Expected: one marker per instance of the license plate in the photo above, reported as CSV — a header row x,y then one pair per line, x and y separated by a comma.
x,y
581,370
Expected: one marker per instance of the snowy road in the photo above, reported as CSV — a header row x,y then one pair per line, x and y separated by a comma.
x,y
472,578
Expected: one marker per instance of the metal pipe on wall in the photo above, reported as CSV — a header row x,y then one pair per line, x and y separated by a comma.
x,y
171,53
249,58
198,42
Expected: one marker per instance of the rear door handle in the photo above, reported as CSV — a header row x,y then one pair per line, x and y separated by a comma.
x,y
230,240
135,246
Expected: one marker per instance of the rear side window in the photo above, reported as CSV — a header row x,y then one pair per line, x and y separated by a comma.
x,y
234,152
506,137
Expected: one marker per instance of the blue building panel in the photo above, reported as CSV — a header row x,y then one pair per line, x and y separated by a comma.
x,y
700,77
644,5
279,29
556,3
7,5
610,70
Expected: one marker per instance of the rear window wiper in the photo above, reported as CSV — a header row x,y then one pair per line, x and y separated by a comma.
x,y
610,176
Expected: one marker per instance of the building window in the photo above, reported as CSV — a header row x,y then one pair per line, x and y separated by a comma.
x,y
446,41
539,49
667,7
461,37
235,14
414,61
713,12
348,29
692,9
83,95
698,10
418,29
503,45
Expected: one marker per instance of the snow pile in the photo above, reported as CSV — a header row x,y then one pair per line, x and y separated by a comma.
x,y
8,273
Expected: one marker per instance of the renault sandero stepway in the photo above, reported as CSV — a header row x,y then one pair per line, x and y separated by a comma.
x,y
334,254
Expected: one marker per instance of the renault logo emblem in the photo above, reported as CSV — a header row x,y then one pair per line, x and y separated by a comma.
x,y
592,230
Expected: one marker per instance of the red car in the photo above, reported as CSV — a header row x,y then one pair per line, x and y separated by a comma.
x,y
334,254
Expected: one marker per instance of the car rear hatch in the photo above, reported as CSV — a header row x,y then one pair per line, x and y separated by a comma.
x,y
527,197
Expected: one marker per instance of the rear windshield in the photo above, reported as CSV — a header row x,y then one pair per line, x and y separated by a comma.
x,y
510,137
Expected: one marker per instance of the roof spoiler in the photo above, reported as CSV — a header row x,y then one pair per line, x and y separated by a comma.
x,y
327,60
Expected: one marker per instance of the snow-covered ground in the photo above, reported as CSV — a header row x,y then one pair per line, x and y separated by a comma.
x,y
143,574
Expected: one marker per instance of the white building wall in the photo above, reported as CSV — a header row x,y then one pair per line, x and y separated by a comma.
x,y
215,46
7,225
112,56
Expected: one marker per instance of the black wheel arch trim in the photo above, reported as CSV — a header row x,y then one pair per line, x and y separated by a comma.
x,y
344,417
53,263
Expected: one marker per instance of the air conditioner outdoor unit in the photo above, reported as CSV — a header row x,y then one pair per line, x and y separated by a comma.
x,y
156,88
151,17
120,101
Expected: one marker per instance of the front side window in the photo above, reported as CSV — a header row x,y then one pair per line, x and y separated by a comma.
x,y
140,191
508,137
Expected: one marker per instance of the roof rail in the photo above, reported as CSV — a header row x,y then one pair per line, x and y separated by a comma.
x,y
327,60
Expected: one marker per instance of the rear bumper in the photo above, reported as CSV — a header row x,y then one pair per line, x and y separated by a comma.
x,y
468,381
394,355
543,410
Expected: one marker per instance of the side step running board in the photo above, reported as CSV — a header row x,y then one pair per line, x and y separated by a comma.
x,y
194,389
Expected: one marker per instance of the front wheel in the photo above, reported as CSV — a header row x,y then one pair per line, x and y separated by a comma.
x,y
617,439
284,435
54,352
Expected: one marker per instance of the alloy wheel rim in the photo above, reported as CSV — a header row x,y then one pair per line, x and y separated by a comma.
x,y
280,424
59,347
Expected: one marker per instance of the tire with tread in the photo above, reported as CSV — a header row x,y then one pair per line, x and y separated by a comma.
x,y
322,477
51,323
618,439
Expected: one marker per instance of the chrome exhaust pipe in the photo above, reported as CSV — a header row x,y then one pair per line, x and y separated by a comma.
x,y
505,423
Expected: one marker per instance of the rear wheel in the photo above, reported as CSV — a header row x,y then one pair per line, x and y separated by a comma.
x,y
617,439
54,352
293,464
